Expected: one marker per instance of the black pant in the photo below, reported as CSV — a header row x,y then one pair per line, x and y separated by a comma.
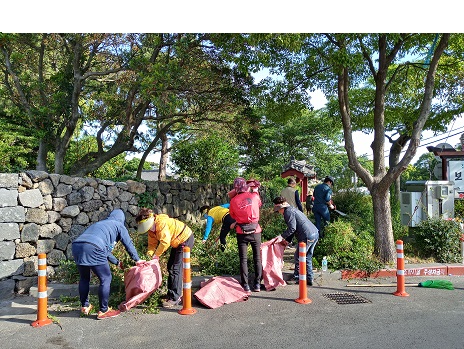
x,y
226,222
175,263
255,241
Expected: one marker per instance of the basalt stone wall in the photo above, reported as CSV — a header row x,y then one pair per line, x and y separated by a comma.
x,y
44,213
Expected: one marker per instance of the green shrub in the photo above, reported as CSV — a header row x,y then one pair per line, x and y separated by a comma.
x,y
459,208
347,249
358,206
439,238
273,224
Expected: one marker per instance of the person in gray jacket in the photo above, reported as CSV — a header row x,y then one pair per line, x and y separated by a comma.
x,y
92,250
299,226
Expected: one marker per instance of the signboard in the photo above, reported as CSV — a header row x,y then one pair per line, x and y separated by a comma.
x,y
456,174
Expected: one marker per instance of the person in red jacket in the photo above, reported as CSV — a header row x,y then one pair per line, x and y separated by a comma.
x,y
244,209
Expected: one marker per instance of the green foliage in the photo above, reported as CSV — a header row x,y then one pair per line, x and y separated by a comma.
x,y
358,206
459,209
272,224
271,189
67,272
347,249
311,136
209,159
146,199
439,238
17,144
422,170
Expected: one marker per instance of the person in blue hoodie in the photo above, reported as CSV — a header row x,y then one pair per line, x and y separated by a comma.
x,y
92,250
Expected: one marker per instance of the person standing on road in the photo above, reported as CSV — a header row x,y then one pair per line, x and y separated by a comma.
x,y
165,232
291,194
244,209
216,215
299,226
92,251
322,203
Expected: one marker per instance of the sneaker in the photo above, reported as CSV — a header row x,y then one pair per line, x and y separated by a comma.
x,y
257,288
171,302
246,288
107,314
86,310
309,282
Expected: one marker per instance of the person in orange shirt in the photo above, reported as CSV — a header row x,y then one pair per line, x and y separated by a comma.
x,y
164,232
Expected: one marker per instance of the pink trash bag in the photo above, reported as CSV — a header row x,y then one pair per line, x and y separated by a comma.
x,y
220,290
272,257
140,282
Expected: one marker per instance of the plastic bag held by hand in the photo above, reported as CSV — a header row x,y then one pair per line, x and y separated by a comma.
x,y
140,282
272,257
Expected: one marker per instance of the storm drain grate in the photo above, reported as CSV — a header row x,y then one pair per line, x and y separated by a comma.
x,y
346,298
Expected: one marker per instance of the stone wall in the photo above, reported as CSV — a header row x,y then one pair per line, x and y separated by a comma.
x,y
44,213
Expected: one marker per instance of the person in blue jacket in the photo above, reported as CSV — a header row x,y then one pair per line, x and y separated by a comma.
x,y
322,203
299,226
92,251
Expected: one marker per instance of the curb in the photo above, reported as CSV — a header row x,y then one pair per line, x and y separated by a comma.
x,y
434,270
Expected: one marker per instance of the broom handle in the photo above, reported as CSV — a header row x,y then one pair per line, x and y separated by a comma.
x,y
378,285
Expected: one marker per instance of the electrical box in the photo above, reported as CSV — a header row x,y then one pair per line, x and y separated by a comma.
x,y
426,199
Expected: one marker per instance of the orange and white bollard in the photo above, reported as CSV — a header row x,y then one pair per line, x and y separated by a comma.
x,y
303,299
187,288
400,284
42,296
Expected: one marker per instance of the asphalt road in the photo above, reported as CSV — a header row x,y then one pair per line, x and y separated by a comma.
x,y
427,318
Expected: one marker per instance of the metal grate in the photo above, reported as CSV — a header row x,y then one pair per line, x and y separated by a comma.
x,y
346,298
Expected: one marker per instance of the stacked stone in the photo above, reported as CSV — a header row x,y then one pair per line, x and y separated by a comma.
x,y
44,213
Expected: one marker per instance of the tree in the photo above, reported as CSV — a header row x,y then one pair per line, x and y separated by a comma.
x,y
208,159
312,137
44,76
338,63
110,85
387,48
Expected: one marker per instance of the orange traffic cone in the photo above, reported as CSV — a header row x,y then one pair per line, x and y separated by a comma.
x,y
187,288
42,296
303,299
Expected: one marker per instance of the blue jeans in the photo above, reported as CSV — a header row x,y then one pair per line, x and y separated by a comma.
x,y
242,242
103,272
310,245
321,217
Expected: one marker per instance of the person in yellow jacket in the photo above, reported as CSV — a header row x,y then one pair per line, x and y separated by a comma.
x,y
218,215
164,232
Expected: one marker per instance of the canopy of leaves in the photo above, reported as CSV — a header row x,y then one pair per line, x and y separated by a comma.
x,y
209,159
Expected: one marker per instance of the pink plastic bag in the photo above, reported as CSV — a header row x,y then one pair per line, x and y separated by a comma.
x,y
220,290
272,257
140,282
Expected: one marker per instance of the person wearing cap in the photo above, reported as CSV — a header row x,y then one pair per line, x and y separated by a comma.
x,y
299,226
164,232
244,209
92,250
322,203
291,194
216,215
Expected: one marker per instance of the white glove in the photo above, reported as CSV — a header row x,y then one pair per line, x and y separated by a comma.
x,y
332,207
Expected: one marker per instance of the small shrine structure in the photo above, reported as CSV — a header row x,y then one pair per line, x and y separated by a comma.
x,y
302,172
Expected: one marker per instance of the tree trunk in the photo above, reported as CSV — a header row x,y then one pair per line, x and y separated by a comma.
x,y
394,159
384,244
164,156
42,156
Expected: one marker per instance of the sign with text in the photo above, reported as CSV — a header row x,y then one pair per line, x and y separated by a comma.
x,y
456,174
